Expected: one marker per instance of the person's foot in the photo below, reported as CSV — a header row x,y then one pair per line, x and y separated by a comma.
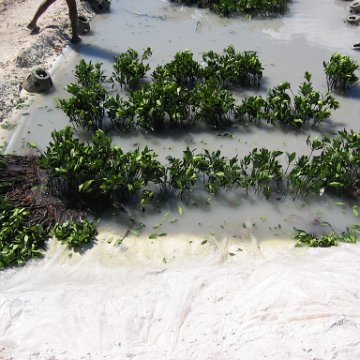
x,y
75,39
34,29
356,46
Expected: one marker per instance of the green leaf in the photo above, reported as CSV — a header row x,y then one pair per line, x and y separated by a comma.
x,y
85,187
204,242
355,211
180,211
135,232
336,184
339,203
31,145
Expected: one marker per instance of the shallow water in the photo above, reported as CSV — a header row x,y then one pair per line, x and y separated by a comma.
x,y
224,282
287,46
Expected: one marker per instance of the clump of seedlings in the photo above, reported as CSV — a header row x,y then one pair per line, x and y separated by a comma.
x,y
27,211
86,107
183,70
233,68
340,72
213,105
73,234
332,238
98,171
332,166
249,7
19,241
161,103
129,68
281,107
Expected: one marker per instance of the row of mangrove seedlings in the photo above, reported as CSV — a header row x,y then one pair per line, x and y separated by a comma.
x,y
34,191
183,93
248,7
101,170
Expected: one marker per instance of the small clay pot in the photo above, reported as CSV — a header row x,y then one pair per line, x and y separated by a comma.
x,y
355,6
353,19
38,81
100,6
83,25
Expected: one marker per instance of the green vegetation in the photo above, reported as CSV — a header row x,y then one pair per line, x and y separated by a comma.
x,y
249,7
183,70
213,105
181,93
340,72
77,170
184,93
28,213
303,238
19,241
86,107
233,68
75,235
129,69
85,172
280,107
102,170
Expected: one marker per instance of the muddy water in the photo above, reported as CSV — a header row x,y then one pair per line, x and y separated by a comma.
x,y
224,281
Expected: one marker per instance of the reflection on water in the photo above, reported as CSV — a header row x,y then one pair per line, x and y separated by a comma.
x,y
322,24
224,282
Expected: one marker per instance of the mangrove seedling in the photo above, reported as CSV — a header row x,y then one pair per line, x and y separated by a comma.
x,y
303,238
281,107
340,72
214,105
19,241
184,70
232,67
86,107
75,234
249,7
129,68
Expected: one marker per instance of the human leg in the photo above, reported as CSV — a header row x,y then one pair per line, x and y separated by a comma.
x,y
42,8
73,15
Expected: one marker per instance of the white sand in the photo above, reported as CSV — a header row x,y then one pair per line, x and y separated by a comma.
x,y
22,52
275,303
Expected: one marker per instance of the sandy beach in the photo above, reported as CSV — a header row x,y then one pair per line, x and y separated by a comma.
x,y
21,52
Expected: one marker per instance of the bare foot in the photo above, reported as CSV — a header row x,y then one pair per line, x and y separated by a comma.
x,y
75,39
34,29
